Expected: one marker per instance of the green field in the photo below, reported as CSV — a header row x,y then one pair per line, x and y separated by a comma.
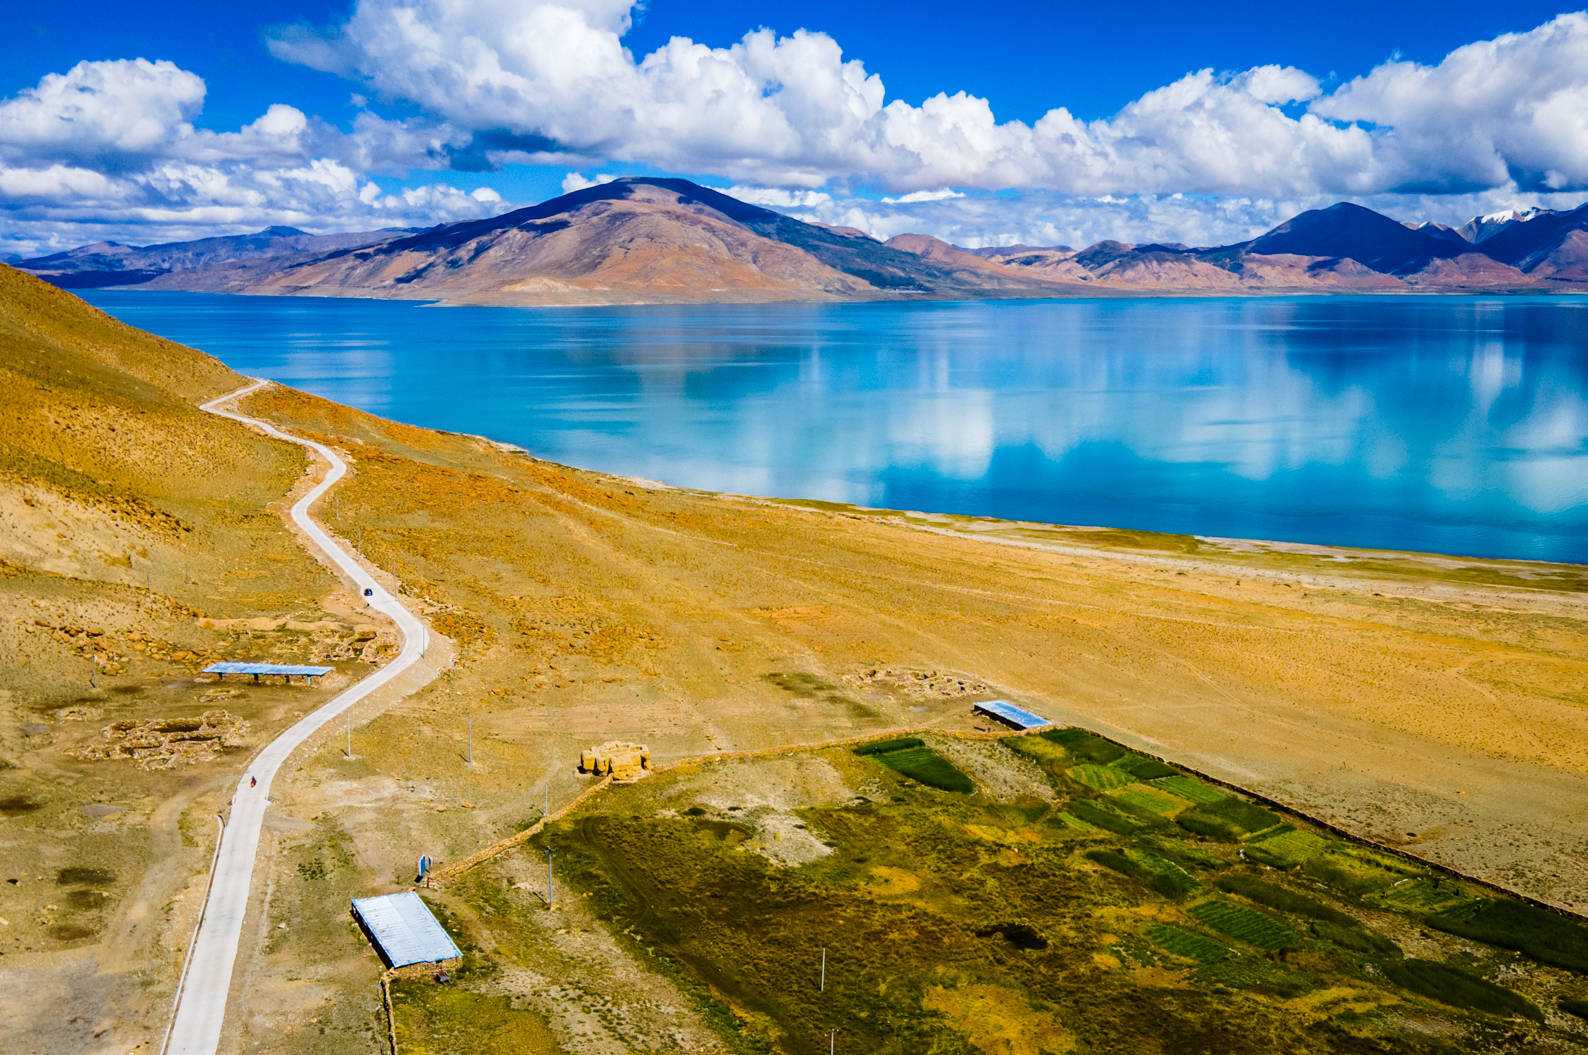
x,y
1286,848
1149,800
1099,778
1246,924
919,762
1184,943
954,921
1546,936
1191,789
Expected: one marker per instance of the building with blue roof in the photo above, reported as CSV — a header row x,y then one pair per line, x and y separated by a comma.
x,y
404,931
284,670
1009,714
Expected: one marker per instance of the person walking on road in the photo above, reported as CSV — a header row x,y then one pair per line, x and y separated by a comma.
x,y
252,781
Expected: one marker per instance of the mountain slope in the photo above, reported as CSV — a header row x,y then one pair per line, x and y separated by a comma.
x,y
656,240
114,264
630,240
1350,232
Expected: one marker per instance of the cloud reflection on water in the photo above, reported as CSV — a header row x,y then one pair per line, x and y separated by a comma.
x,y
1451,424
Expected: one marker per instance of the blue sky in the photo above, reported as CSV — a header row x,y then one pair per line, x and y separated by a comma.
x,y
1077,121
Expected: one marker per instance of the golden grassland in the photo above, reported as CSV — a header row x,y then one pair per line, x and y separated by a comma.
x,y
1429,703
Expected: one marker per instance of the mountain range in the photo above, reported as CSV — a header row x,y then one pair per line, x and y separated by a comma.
x,y
655,240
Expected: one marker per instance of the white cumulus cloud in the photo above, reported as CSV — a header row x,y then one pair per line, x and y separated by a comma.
x,y
794,111
109,150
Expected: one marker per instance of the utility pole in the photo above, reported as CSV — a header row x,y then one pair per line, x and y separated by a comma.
x,y
350,736
823,987
551,893
831,1036
471,739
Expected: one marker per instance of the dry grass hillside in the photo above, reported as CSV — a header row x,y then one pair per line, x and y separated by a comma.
x,y
139,540
1435,704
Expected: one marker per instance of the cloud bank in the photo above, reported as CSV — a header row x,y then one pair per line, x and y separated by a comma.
x,y
112,147
795,112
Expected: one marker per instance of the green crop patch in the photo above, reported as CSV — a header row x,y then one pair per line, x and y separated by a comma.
x,y
1145,798
1143,768
1245,924
882,747
1187,944
1328,923
1248,816
1038,748
1169,878
1546,936
1356,870
1432,894
1229,818
1457,988
1074,823
1105,814
1163,876
952,922
1085,745
1099,778
926,766
1190,788
1288,848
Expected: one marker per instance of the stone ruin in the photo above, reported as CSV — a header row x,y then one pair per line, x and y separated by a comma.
x,y
623,762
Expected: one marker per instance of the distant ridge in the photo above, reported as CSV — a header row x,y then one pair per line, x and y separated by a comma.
x,y
662,240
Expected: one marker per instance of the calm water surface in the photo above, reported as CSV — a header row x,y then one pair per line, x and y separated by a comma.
x,y
1456,425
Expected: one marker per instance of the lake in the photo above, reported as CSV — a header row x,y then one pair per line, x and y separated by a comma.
x,y
1445,424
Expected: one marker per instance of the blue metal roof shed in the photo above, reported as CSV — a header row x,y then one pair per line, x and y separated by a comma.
x,y
285,670
1008,713
403,930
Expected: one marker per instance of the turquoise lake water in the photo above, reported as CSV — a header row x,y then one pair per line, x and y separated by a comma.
x,y
1447,424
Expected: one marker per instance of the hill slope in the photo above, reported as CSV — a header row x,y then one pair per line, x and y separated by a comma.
x,y
654,240
114,264
650,240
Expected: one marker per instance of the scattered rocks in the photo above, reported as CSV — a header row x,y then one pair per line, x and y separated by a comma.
x,y
916,684
164,743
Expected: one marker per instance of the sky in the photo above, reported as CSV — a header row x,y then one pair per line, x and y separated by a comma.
x,y
1041,124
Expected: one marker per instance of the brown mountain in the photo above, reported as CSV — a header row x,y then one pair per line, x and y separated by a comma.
x,y
628,241
645,240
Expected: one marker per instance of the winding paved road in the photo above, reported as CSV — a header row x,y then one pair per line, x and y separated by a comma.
x,y
201,994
